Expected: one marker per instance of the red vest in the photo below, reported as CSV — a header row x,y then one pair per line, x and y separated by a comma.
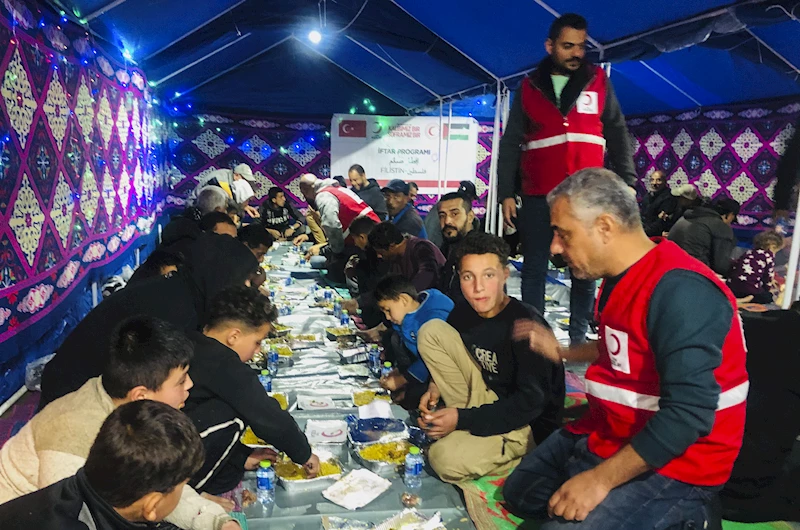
x,y
556,146
623,387
351,207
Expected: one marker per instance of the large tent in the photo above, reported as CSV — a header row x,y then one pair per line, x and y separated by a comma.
x,y
406,55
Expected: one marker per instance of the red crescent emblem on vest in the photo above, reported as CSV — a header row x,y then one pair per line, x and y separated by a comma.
x,y
587,99
616,350
332,434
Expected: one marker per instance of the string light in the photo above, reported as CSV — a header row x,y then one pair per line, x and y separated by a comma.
x,y
372,108
352,110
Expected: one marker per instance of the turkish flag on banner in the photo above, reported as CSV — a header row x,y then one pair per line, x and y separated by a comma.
x,y
352,129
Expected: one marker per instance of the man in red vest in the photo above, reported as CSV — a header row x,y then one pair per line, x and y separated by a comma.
x,y
338,207
564,115
667,386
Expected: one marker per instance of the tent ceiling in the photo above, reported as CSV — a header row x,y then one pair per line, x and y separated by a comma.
x,y
254,55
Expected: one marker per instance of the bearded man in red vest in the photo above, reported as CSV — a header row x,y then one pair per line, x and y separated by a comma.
x,y
667,386
563,118
338,207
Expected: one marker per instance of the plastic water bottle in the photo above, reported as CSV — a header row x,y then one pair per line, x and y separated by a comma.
x,y
374,359
387,369
337,308
266,380
344,320
328,294
413,478
272,360
265,483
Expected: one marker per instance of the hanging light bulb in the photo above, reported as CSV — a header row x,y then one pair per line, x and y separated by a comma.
x,y
315,37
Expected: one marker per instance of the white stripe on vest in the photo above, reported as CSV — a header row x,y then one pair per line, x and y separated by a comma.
x,y
564,138
362,213
634,400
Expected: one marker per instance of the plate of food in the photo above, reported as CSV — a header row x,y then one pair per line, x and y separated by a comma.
x,y
250,439
341,333
280,330
294,478
382,458
365,397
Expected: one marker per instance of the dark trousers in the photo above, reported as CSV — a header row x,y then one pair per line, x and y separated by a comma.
x,y
536,235
650,501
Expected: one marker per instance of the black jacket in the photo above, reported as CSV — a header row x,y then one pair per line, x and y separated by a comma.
x,y
279,219
219,374
615,131
703,234
70,504
655,203
372,195
219,261
788,172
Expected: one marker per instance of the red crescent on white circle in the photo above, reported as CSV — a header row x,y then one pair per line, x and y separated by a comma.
x,y
333,434
318,404
588,99
614,351
431,130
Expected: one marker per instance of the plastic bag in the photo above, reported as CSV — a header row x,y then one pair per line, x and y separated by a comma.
x,y
33,373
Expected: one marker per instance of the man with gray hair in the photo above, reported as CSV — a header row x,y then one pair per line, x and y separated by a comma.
x,y
211,199
234,183
667,386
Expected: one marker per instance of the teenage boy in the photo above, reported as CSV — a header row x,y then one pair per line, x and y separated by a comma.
x,y
149,359
134,475
279,216
227,395
219,223
498,395
257,239
408,310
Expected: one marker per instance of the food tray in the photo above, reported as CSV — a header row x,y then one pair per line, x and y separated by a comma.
x,y
277,396
280,330
337,334
260,444
356,355
315,403
383,469
312,484
357,489
353,370
411,519
305,341
355,394
323,432
375,430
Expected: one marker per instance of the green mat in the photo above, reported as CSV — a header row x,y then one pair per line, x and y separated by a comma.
x,y
778,525
240,518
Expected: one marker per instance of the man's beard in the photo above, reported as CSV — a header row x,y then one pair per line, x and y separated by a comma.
x,y
459,235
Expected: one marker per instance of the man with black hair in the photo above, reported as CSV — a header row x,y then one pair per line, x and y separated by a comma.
x,y
227,395
705,233
135,473
499,397
411,257
368,190
257,238
401,209
180,299
160,262
456,220
413,191
279,216
218,223
564,117
149,360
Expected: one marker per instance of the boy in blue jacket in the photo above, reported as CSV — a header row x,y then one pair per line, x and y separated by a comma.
x,y
408,310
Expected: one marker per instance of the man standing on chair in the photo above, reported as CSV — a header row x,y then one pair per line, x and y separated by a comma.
x,y
562,119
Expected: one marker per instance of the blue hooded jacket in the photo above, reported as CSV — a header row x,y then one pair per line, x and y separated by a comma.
x,y
433,304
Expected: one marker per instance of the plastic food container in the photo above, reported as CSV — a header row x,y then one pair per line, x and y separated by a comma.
x,y
380,467
310,484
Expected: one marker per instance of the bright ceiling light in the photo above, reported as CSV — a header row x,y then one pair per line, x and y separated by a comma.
x,y
315,36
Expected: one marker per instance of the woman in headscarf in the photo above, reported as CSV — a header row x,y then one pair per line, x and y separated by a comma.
x,y
181,299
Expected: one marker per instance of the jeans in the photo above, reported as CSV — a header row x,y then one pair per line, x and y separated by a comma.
x,y
533,223
650,501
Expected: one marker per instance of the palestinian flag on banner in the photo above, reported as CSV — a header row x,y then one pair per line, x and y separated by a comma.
x,y
457,131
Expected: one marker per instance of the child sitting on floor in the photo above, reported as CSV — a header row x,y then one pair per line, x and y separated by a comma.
x,y
408,310
753,274
135,473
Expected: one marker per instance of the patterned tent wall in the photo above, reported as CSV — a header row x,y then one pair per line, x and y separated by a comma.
x,y
78,176
279,150
723,151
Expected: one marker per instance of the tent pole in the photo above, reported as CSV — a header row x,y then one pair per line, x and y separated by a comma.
x,y
103,10
394,67
447,149
441,132
237,65
791,268
201,59
473,61
491,197
349,72
670,83
775,53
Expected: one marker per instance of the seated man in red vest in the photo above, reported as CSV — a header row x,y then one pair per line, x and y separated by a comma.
x,y
667,386
338,207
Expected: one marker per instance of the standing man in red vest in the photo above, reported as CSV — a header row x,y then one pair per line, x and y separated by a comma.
x,y
338,207
564,115
667,386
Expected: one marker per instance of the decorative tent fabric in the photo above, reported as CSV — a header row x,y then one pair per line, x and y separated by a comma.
x,y
724,151
79,173
279,150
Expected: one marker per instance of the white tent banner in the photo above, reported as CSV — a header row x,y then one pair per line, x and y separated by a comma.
x,y
408,148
